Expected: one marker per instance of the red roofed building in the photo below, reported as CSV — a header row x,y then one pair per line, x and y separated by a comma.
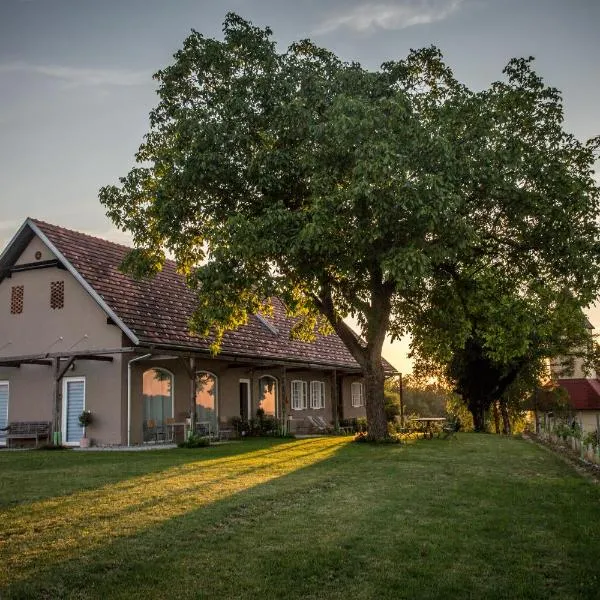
x,y
77,334
582,391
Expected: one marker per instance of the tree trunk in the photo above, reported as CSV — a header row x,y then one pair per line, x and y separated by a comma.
x,y
478,411
506,428
375,400
496,418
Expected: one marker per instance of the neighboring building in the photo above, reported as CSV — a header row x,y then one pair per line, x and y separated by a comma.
x,y
582,389
76,333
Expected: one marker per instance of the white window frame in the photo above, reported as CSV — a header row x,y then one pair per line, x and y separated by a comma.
x,y
7,384
300,397
357,394
317,394
63,427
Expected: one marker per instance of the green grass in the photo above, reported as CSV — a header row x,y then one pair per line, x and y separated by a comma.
x,y
476,517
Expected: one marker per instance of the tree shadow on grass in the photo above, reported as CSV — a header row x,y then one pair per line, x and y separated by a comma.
x,y
59,529
355,522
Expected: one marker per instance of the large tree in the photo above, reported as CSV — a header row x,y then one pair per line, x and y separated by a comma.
x,y
492,339
347,191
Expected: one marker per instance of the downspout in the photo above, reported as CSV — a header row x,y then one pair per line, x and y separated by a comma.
x,y
129,394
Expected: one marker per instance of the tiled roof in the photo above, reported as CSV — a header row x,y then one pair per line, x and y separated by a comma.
x,y
584,394
157,310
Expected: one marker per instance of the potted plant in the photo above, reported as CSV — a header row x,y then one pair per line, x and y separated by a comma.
x,y
85,419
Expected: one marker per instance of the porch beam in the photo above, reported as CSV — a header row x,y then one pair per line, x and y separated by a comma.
x,y
32,361
94,357
61,370
52,355
56,438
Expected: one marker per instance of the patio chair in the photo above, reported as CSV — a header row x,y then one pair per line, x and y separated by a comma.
x,y
150,430
324,424
315,424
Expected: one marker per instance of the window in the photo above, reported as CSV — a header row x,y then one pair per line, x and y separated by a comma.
x,y
317,394
267,395
299,395
157,390
206,398
4,389
16,299
357,394
73,406
57,294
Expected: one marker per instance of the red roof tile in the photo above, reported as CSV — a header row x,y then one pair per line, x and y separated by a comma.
x,y
157,310
584,394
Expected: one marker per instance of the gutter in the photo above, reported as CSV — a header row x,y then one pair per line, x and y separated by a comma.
x,y
129,363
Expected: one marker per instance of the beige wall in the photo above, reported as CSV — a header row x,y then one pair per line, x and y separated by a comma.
x,y
31,395
40,329
80,325
228,400
349,411
28,255
587,418
559,371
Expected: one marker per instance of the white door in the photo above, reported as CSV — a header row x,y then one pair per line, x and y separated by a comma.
x,y
3,408
73,406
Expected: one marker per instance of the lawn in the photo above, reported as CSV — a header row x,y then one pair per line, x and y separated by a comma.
x,y
475,517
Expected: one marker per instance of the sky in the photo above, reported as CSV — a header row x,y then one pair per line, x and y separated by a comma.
x,y
76,78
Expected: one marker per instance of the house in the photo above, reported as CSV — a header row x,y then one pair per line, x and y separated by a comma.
x,y
580,388
76,333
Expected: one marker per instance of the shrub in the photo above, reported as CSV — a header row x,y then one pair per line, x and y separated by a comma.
x,y
591,439
363,437
195,441
392,409
85,418
360,424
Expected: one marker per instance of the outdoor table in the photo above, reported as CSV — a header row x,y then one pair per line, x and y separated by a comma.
x,y
428,422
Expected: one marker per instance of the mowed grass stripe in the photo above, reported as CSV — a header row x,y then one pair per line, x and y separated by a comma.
x,y
56,529
479,516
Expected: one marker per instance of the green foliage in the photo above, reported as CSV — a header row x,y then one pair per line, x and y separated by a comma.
x,y
392,406
396,196
362,437
457,410
591,438
424,398
195,441
360,425
85,418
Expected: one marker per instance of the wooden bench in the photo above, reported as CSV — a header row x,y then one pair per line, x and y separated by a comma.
x,y
28,430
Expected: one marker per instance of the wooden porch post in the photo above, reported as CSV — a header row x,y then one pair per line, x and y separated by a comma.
x,y
401,396
253,396
334,400
192,374
56,433
59,373
284,399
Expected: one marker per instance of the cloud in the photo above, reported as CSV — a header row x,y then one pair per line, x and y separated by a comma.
x,y
81,76
408,13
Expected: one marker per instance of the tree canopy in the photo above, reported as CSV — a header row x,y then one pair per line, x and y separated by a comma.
x,y
351,192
